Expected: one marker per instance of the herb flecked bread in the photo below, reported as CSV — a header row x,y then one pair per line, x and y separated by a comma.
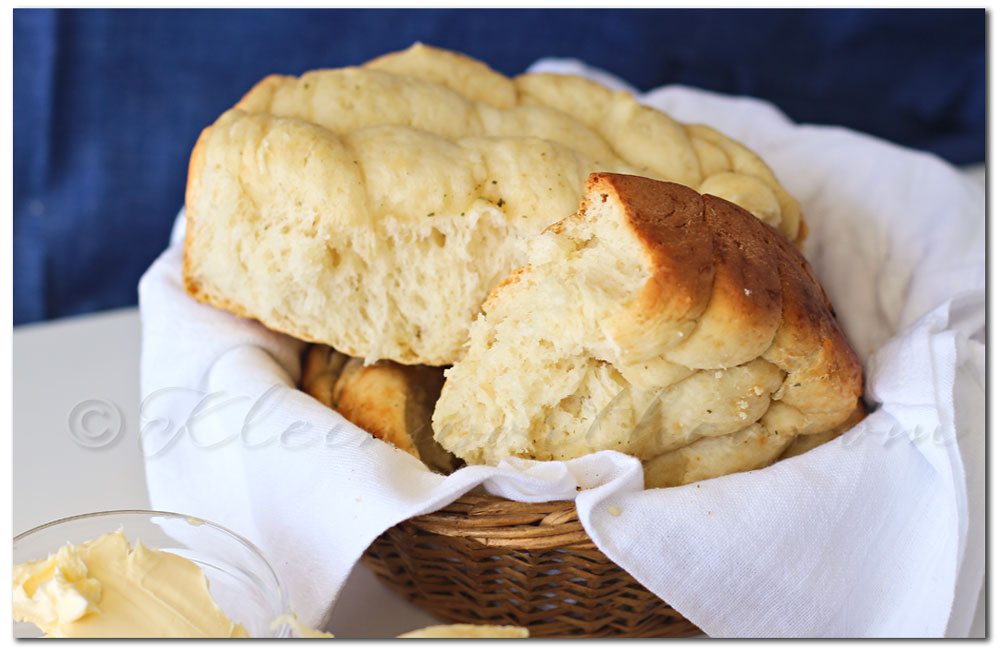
x,y
659,322
373,208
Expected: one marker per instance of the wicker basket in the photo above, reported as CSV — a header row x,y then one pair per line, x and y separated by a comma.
x,y
485,559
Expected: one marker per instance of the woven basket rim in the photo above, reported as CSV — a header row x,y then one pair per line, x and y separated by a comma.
x,y
498,521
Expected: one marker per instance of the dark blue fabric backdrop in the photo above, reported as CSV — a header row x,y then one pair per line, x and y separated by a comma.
x,y
108,103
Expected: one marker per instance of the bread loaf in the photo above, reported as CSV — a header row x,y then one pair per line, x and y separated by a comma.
x,y
659,322
373,208
391,401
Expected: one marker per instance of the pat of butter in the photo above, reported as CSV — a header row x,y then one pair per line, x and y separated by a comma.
x,y
467,631
301,629
454,631
104,588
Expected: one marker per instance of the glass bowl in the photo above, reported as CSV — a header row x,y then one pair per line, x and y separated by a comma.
x,y
241,581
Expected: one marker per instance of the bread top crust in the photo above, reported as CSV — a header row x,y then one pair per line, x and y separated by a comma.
x,y
465,75
712,260
453,96
320,203
753,292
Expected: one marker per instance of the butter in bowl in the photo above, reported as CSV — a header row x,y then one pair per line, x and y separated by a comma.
x,y
143,574
151,574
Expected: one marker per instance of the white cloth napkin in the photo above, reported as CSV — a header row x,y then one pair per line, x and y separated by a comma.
x,y
878,533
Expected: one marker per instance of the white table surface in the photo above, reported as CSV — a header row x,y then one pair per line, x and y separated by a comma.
x,y
76,385
65,368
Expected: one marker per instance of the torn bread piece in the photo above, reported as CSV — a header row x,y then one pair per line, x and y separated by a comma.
x,y
391,401
658,322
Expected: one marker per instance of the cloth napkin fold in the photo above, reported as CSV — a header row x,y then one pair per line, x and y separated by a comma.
x,y
878,533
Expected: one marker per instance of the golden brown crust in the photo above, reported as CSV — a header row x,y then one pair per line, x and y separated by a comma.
x,y
393,402
195,168
746,281
669,221
671,225
321,368
743,160
712,260
824,378
374,398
